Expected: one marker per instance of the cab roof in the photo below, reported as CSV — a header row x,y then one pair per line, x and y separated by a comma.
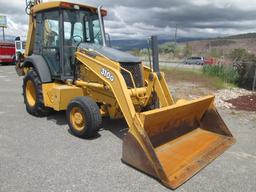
x,y
67,5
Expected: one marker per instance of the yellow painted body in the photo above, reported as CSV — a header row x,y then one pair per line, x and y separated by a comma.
x,y
171,143
58,96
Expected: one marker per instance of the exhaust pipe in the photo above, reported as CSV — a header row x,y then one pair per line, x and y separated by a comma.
x,y
155,54
102,26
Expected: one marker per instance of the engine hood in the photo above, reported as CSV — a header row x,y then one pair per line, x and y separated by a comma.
x,y
113,54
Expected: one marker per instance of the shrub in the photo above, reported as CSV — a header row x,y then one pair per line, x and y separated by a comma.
x,y
244,64
227,73
167,48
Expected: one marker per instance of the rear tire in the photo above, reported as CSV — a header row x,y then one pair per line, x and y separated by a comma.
x,y
84,118
33,95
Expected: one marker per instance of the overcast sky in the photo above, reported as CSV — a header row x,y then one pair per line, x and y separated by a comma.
x,y
141,18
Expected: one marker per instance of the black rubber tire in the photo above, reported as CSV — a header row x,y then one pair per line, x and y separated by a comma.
x,y
39,109
91,113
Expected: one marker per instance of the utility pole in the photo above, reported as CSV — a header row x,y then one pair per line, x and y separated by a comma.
x,y
176,34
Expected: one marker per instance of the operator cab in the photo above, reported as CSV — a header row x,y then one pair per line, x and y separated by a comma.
x,y
59,31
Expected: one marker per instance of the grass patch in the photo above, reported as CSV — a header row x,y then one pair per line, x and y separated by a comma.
x,y
195,76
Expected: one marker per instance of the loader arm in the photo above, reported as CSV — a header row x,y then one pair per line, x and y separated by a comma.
x,y
122,95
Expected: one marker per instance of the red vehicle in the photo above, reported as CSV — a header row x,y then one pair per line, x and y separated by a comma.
x,y
209,61
7,52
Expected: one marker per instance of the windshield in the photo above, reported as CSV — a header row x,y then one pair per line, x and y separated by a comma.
x,y
82,26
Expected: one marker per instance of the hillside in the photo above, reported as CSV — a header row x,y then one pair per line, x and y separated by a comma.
x,y
129,44
224,45
243,36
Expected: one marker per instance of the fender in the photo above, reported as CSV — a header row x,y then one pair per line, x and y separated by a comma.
x,y
41,67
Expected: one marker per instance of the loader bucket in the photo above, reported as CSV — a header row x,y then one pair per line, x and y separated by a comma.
x,y
177,141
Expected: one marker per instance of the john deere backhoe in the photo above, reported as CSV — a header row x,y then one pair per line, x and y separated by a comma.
x,y
68,66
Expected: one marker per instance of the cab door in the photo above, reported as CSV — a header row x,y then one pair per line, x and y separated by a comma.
x,y
51,42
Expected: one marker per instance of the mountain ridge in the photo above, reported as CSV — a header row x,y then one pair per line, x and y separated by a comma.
x,y
127,45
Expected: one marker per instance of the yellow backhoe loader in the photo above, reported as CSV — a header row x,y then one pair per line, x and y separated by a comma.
x,y
68,66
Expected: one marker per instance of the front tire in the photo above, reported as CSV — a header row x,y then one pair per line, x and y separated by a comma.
x,y
84,118
33,95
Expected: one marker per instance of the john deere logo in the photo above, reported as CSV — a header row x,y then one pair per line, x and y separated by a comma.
x,y
107,74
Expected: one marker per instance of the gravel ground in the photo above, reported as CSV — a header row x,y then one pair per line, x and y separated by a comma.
x,y
39,154
223,97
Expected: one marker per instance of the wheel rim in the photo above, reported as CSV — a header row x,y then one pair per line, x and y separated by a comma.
x,y
77,119
31,93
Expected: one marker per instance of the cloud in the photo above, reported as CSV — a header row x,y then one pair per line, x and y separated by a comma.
x,y
140,18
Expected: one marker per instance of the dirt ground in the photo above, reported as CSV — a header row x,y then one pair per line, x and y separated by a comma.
x,y
246,103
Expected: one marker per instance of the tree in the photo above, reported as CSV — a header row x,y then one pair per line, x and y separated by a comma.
x,y
167,48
